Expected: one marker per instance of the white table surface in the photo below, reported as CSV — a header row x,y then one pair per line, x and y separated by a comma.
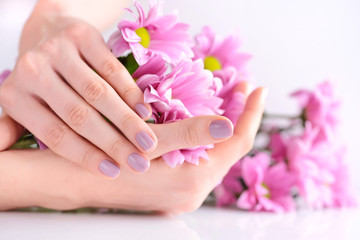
x,y
205,223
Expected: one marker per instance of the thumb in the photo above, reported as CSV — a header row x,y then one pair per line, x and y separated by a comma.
x,y
191,132
10,131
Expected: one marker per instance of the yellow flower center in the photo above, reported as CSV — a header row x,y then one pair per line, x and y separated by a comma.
x,y
144,35
267,188
212,63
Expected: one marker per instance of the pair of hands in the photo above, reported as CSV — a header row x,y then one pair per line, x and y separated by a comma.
x,y
45,179
54,78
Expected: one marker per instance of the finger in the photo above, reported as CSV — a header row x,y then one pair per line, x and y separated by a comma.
x,y
243,87
110,69
251,117
104,99
62,140
88,123
245,130
10,131
191,132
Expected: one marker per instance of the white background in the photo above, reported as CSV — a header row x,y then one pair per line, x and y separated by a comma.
x,y
294,43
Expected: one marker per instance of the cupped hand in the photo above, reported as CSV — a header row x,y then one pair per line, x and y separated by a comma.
x,y
61,86
184,188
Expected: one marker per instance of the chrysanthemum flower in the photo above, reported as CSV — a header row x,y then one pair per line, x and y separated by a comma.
x,y
155,66
321,108
153,33
234,102
320,170
223,57
184,92
268,186
220,53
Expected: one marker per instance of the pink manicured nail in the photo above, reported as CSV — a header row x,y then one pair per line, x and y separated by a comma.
x,y
221,129
142,110
108,168
138,163
144,140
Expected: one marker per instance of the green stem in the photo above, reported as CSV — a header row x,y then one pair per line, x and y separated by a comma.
x,y
281,116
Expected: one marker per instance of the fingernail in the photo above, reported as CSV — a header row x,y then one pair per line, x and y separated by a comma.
x,y
109,168
138,163
221,129
144,140
142,110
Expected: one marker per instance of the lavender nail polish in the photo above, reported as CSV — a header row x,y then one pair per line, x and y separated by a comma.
x,y
109,168
221,129
142,110
138,163
144,140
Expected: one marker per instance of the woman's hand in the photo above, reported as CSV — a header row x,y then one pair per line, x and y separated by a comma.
x,y
184,188
64,80
159,189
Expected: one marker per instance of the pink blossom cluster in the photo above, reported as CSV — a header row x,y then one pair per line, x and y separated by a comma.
x,y
302,163
181,77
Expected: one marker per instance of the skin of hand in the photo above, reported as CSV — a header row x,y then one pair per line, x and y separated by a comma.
x,y
160,189
55,93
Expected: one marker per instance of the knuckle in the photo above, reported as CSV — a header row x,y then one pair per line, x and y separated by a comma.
x,y
77,31
117,146
55,136
188,135
29,63
129,92
77,115
50,46
128,121
94,91
87,158
110,68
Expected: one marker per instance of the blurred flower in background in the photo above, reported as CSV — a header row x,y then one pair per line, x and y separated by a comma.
x,y
302,161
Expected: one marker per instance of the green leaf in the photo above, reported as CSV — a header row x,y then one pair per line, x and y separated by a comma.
x,y
129,62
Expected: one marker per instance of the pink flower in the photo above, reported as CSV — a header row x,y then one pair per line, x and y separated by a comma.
x,y
187,88
155,66
277,147
220,53
321,108
234,102
227,192
4,75
268,186
153,33
223,57
344,194
41,145
322,178
184,92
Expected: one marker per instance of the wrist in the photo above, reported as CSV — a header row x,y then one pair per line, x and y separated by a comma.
x,y
32,178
